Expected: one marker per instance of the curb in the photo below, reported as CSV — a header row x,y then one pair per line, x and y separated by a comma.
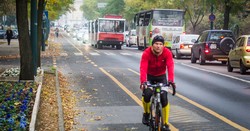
x,y
36,105
59,101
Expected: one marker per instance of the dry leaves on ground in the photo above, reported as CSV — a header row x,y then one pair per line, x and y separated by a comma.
x,y
48,111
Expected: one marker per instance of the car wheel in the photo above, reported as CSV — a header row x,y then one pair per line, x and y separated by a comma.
x,y
242,68
193,59
178,56
129,45
223,62
201,59
229,67
118,47
99,46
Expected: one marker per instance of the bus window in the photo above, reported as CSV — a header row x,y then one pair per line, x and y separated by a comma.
x,y
141,19
147,18
136,20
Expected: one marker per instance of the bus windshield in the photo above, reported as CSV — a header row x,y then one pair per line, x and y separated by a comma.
x,y
111,25
167,18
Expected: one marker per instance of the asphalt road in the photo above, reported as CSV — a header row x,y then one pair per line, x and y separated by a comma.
x,y
106,82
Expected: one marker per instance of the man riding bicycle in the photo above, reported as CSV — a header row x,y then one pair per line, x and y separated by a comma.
x,y
155,61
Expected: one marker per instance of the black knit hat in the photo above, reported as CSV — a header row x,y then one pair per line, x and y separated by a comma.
x,y
158,38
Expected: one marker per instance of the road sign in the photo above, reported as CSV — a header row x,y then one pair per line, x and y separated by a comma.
x,y
211,17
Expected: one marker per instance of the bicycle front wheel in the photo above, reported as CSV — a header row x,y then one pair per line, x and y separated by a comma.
x,y
158,118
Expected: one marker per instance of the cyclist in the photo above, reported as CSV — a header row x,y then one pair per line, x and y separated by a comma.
x,y
155,61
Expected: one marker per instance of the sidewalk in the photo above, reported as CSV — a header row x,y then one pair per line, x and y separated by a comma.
x,y
9,51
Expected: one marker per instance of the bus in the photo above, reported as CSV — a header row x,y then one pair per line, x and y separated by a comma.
x,y
165,22
107,31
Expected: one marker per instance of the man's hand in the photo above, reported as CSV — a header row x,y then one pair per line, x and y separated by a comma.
x,y
172,84
143,86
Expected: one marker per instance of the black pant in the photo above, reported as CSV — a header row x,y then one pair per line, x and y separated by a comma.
x,y
147,93
8,39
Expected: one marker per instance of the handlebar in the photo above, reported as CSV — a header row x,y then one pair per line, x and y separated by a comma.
x,y
161,85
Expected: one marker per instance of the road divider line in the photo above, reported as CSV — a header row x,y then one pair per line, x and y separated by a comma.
x,y
217,73
235,125
137,100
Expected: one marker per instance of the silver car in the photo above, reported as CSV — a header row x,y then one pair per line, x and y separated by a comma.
x,y
182,45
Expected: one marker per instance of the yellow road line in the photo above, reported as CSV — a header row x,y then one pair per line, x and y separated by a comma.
x,y
207,110
137,100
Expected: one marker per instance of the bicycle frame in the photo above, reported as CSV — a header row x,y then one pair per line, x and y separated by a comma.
x,y
156,119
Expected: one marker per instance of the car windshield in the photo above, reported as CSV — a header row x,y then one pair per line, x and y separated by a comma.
x,y
217,36
189,38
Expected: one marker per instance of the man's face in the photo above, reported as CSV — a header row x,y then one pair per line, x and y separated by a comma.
x,y
157,47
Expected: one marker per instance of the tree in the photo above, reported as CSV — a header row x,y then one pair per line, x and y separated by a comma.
x,y
7,7
26,64
194,11
89,9
57,8
114,7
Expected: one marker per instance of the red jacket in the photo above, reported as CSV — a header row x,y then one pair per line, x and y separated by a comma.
x,y
156,65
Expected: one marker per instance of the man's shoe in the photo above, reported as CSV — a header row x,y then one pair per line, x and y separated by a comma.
x,y
165,128
145,119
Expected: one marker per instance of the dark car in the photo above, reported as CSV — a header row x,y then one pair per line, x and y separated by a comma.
x,y
2,34
213,45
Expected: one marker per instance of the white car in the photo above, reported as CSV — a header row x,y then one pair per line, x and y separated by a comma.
x,y
132,38
182,44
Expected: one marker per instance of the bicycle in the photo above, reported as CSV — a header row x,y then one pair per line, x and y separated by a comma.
x,y
155,117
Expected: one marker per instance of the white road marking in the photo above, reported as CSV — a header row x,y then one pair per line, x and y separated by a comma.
x,y
217,73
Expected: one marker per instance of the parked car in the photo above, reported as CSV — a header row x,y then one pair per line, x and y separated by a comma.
x,y
239,56
2,34
132,38
182,44
213,45
15,34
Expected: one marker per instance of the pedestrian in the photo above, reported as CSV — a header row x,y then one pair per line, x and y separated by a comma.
x,y
9,35
57,32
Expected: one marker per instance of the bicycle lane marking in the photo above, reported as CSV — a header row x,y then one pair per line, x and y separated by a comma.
x,y
137,100
237,126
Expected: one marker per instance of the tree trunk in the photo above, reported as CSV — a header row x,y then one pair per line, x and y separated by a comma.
x,y
226,14
26,64
39,30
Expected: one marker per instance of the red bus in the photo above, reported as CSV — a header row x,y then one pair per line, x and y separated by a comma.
x,y
107,31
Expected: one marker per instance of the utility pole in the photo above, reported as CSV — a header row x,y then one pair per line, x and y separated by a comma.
x,y
33,36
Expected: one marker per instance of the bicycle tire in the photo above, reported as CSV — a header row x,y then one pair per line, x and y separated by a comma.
x,y
159,119
151,118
